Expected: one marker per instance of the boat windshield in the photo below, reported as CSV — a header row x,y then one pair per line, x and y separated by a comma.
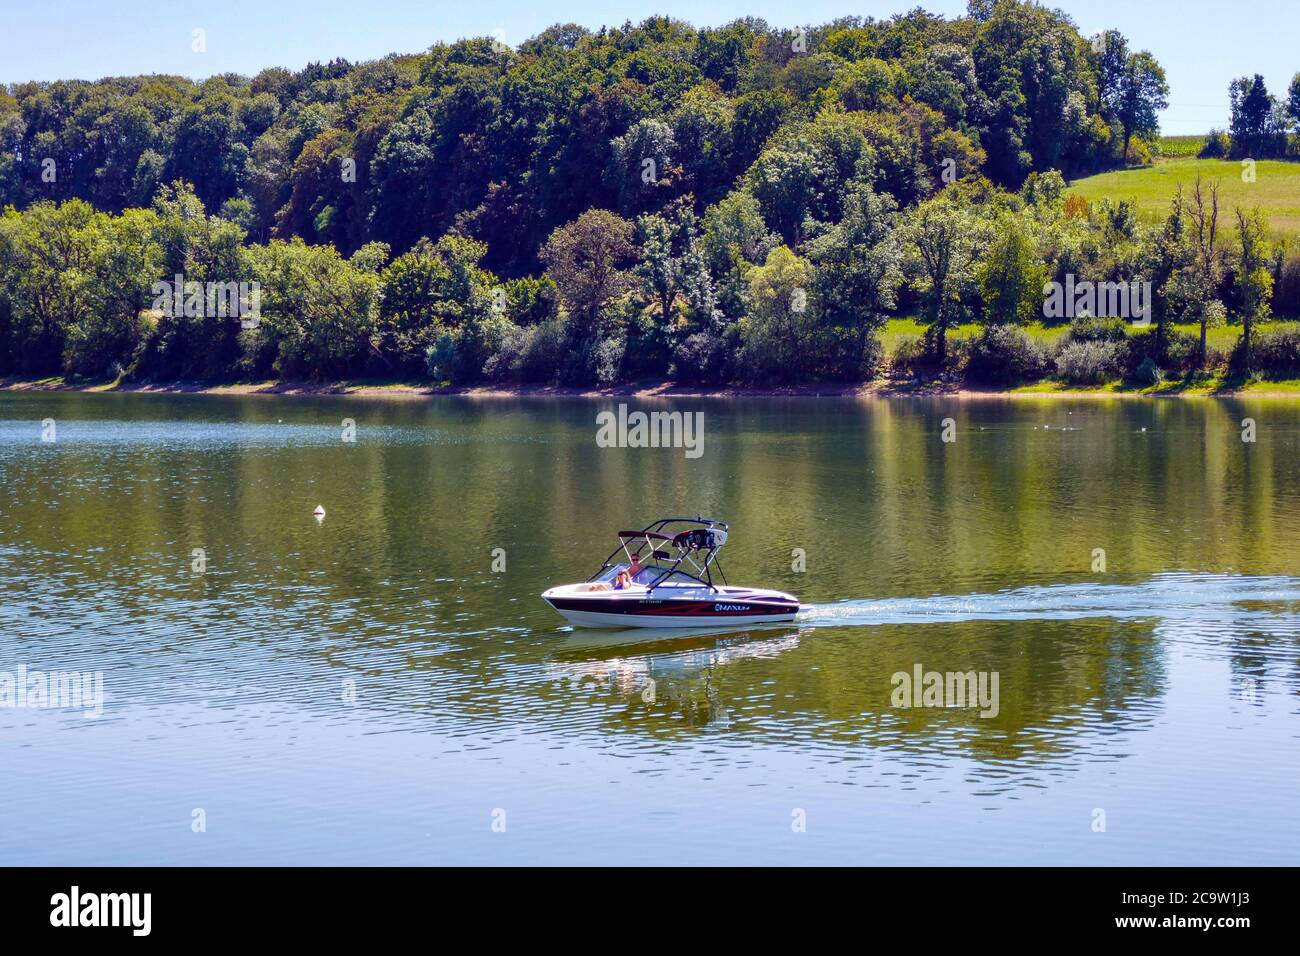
x,y
648,574
678,579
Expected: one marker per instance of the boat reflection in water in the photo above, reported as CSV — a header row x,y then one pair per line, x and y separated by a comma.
x,y
678,669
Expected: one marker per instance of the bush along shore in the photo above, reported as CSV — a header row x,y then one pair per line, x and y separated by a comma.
x,y
746,207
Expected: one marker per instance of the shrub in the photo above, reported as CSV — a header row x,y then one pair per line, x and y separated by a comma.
x,y
873,359
1004,354
1087,328
607,360
461,355
908,357
1286,285
1089,362
1217,145
1181,350
702,358
440,358
530,355
98,343
1276,351
595,360
1148,373
1139,154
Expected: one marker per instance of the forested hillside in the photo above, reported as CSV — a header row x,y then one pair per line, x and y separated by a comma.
x,y
654,200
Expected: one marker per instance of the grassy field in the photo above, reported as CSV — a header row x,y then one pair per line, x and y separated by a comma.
x,y
1276,189
1222,337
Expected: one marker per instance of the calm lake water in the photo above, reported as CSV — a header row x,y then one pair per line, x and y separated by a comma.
x,y
367,689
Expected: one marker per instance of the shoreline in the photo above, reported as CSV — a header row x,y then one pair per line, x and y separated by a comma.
x,y
646,390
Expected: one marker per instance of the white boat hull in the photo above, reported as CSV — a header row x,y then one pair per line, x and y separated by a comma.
x,y
597,619
585,605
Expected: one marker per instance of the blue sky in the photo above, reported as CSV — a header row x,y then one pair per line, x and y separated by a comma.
x,y
1202,44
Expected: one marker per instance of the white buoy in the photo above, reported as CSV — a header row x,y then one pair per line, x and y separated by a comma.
x,y
319,512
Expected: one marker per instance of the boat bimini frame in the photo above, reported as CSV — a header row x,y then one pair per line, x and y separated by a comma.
x,y
697,547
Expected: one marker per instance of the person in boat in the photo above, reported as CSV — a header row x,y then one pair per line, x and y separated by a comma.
x,y
625,577
628,576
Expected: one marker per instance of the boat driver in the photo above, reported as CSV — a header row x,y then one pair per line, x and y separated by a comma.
x,y
625,577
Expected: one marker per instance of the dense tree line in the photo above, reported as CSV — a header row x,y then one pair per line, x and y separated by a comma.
x,y
740,203
509,144
1261,125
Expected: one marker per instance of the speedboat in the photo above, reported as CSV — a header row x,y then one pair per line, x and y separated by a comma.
x,y
662,576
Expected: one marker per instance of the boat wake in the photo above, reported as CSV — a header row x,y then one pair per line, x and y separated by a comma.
x,y
1174,596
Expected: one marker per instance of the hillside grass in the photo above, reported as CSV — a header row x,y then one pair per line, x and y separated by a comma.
x,y
1276,190
1223,337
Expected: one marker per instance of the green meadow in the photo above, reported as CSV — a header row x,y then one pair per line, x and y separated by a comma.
x,y
1221,337
1276,189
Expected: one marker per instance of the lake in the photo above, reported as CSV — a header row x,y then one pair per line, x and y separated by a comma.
x,y
384,685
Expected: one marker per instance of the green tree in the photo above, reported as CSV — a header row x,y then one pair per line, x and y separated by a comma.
x,y
318,309
1111,60
126,261
586,259
1254,278
1254,126
781,322
943,240
858,272
47,259
658,268
197,251
1202,214
1140,96
1168,261
735,238
1011,276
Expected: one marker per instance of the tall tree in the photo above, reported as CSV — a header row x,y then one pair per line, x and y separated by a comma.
x,y
1012,275
1141,95
1293,102
859,270
1112,54
586,260
1253,276
1203,214
943,241
1252,107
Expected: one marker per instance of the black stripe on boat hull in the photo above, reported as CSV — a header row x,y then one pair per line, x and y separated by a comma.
x,y
720,608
